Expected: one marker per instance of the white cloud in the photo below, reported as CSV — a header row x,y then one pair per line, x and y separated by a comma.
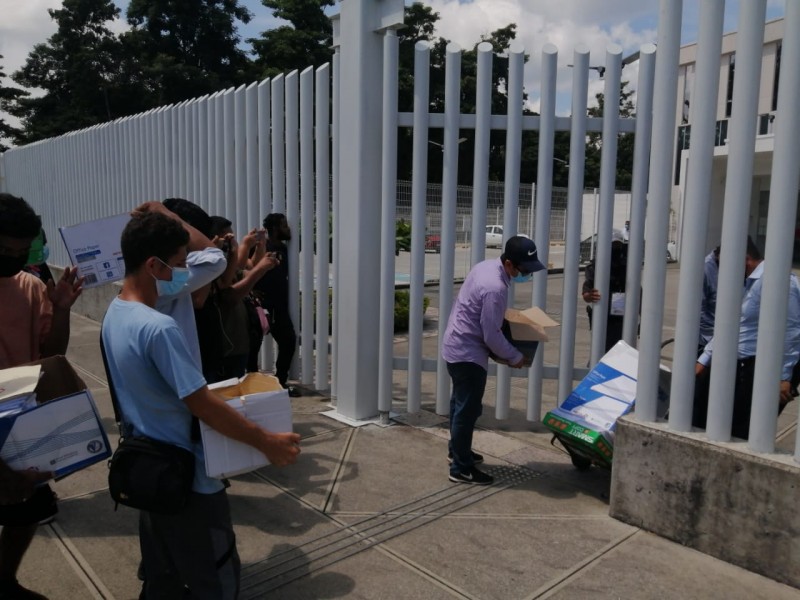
x,y
564,24
23,25
26,23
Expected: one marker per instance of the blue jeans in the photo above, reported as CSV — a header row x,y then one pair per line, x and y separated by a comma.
x,y
469,383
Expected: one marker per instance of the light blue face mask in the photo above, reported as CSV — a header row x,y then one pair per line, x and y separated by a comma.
x,y
180,277
520,278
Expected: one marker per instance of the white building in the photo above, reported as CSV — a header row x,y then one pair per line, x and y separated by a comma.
x,y
767,105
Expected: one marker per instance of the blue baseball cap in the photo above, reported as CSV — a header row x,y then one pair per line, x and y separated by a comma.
x,y
522,253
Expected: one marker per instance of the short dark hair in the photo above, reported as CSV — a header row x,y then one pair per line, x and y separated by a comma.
x,y
219,224
151,234
191,213
17,218
273,220
752,250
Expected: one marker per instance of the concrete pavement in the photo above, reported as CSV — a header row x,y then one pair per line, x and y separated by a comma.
x,y
368,512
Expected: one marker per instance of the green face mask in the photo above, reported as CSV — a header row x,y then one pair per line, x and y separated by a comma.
x,y
37,254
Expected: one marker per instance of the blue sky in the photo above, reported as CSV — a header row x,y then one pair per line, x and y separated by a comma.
x,y
595,23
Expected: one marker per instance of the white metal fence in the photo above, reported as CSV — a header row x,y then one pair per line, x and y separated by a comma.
x,y
265,147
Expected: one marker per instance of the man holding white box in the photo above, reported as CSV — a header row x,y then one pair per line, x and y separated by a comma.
x,y
160,387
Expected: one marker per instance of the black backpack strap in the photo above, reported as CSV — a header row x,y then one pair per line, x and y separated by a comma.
x,y
114,400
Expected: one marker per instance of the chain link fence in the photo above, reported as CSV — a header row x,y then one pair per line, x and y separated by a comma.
x,y
526,211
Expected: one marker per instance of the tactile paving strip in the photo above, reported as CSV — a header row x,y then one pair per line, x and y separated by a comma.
x,y
265,576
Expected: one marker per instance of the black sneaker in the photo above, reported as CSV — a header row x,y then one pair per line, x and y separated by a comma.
x,y
293,392
476,458
473,476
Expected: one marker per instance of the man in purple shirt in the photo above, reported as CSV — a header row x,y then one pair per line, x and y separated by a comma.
x,y
474,331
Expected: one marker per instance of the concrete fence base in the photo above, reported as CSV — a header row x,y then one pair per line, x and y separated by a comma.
x,y
721,499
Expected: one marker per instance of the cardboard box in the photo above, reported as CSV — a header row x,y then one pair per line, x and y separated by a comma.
x,y
260,399
63,433
588,417
526,328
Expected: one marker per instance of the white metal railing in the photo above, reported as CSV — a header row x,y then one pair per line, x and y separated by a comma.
x,y
249,151
239,152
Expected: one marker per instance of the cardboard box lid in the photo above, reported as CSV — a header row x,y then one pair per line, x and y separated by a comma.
x,y
16,382
58,379
528,325
252,383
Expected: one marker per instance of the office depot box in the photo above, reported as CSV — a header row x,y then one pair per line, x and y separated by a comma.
x,y
587,419
62,433
94,249
260,399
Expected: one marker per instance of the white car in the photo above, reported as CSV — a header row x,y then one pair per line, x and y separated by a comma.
x,y
494,236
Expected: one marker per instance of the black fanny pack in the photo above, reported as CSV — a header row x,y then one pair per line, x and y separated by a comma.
x,y
151,475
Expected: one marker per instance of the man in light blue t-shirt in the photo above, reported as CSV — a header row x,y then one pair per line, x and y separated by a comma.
x,y
160,387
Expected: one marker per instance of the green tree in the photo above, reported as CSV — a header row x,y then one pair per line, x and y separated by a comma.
x,y
187,48
625,143
80,69
306,39
420,21
8,95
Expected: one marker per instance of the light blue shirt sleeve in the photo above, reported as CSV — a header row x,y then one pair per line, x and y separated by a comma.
x,y
748,326
171,357
791,351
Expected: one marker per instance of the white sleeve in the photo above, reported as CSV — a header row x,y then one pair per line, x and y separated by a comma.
x,y
204,267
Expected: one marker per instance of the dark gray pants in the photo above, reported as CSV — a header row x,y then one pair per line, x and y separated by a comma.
x,y
195,549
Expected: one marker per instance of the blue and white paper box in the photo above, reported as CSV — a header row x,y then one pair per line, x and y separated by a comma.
x,y
63,434
588,417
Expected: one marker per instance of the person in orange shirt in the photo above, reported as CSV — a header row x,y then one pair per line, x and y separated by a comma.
x,y
34,324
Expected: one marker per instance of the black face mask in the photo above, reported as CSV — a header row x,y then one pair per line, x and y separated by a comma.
x,y
11,265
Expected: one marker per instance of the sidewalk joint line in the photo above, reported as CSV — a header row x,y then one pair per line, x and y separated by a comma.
x,y
79,564
573,573
334,484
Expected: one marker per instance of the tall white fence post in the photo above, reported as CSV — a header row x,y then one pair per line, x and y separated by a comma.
x,y
391,59
605,213
780,236
544,191
738,186
658,202
447,239
419,187
516,65
695,222
641,159
361,66
572,239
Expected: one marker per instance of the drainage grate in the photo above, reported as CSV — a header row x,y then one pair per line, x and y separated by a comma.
x,y
267,575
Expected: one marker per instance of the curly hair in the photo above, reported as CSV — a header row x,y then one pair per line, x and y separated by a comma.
x,y
151,234
17,218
